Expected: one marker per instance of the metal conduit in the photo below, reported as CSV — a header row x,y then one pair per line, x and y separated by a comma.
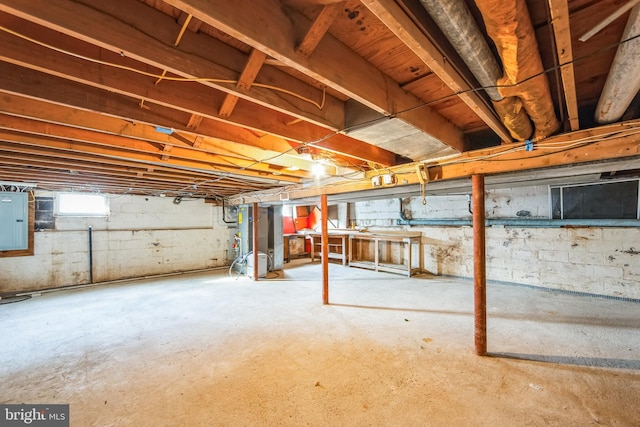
x,y
516,222
530,223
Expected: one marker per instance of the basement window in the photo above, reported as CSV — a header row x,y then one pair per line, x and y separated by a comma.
x,y
601,200
79,204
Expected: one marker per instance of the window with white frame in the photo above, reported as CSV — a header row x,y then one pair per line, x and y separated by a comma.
x,y
82,204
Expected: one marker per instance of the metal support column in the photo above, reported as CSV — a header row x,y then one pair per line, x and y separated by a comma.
x,y
325,249
255,215
479,265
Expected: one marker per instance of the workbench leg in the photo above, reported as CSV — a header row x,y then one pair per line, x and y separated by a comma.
x,y
410,258
376,249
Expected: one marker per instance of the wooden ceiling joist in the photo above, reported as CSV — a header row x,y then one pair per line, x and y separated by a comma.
x,y
101,179
161,99
70,165
248,144
559,10
239,96
66,182
169,151
332,63
212,63
619,140
83,149
66,166
400,24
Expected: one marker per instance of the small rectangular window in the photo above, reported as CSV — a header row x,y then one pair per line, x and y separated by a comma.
x,y
603,200
79,204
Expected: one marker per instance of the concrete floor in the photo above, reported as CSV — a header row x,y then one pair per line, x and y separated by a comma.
x,y
205,350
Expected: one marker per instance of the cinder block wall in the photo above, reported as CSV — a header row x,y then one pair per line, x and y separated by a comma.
x,y
598,260
142,236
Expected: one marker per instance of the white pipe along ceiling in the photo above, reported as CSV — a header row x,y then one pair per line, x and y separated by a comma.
x,y
456,22
508,23
623,81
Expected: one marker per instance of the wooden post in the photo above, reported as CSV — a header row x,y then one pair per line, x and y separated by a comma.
x,y
255,241
479,265
325,249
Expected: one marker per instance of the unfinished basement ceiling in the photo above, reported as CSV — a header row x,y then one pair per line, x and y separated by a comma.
x,y
190,97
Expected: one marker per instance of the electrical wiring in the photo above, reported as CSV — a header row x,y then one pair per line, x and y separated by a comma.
x,y
546,146
159,77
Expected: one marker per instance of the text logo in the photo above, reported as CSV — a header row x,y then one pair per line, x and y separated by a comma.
x,y
38,415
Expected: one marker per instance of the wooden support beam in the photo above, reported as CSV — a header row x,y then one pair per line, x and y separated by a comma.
x,y
228,105
82,149
169,105
114,26
23,163
251,69
59,161
215,137
193,25
82,169
167,149
325,248
614,141
247,77
401,25
319,28
194,122
479,266
562,33
333,64
89,141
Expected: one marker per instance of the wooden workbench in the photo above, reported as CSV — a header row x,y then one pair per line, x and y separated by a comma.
x,y
375,251
338,248
294,246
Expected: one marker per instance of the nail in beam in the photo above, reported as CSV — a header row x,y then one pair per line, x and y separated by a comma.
x,y
479,265
325,249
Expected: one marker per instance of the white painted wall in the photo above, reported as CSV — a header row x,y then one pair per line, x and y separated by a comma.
x,y
142,236
598,260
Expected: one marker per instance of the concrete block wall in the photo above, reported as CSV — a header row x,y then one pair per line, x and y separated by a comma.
x,y
598,260
142,236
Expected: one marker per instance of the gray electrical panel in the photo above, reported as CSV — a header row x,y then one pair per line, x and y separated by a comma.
x,y
14,221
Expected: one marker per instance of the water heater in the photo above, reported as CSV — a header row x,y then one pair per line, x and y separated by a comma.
x,y
270,234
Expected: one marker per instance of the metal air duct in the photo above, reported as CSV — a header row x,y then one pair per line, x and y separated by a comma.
x,y
623,81
509,26
456,22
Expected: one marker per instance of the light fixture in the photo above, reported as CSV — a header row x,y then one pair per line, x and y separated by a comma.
x,y
318,170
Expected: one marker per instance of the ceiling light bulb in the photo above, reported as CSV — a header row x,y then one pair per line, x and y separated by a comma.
x,y
317,169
